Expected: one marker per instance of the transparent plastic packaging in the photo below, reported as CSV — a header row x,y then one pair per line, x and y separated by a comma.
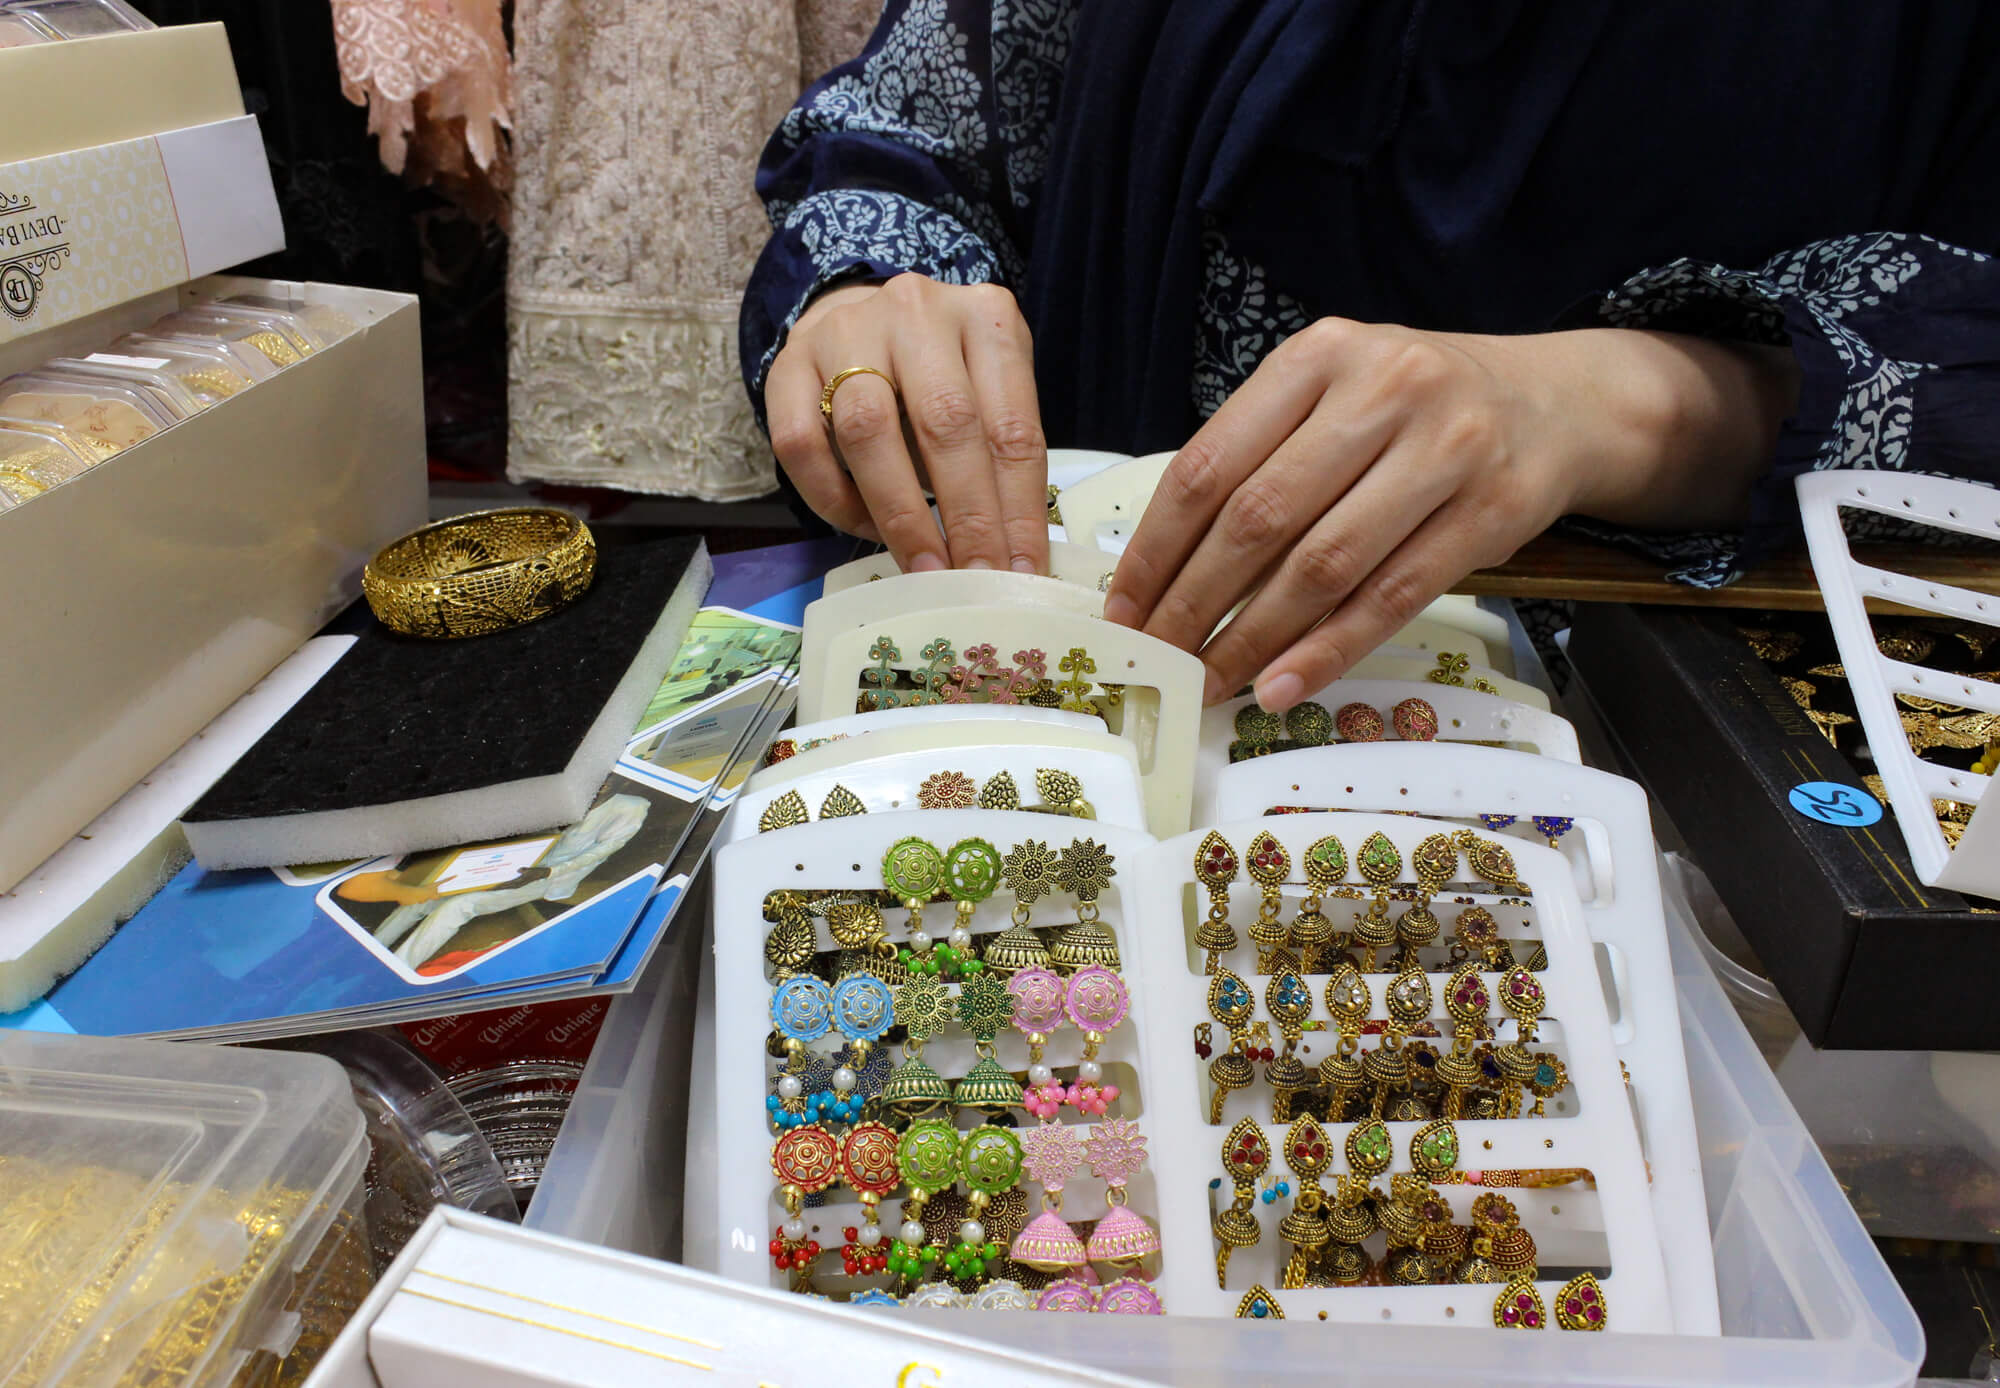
x,y
141,373
18,32
72,19
226,354
210,373
35,457
108,415
171,1214
280,334
426,1150
324,319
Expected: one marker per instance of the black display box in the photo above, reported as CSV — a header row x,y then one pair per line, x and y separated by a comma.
x,y
1866,956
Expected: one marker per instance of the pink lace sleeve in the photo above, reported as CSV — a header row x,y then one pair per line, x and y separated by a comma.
x,y
437,80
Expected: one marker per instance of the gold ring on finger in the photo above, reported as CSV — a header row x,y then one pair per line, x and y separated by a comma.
x,y
826,395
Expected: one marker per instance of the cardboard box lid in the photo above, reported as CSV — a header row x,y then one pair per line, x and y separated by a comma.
x,y
97,91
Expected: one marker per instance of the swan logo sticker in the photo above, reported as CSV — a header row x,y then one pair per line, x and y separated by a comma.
x,y
1829,802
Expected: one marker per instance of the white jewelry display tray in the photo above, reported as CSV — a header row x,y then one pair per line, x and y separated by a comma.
x,y
1948,505
891,776
477,1300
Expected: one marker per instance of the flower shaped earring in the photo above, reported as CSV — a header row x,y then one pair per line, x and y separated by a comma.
x,y
1030,873
984,1006
1435,861
1051,1154
922,1007
1116,1150
1084,871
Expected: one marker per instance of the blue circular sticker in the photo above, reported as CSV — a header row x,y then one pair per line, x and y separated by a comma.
x,y
1829,802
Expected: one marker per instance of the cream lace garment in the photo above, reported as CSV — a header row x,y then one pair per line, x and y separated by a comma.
x,y
638,126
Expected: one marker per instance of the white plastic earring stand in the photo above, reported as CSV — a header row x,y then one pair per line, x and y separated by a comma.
x,y
1427,638
1108,770
1069,466
1847,584
846,854
1159,709
1103,509
1081,565
1383,665
1463,611
868,605
1624,916
938,739
1599,1137
810,737
1464,715
857,593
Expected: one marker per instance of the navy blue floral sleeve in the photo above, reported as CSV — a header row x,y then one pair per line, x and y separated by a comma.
x,y
1898,342
923,154
928,152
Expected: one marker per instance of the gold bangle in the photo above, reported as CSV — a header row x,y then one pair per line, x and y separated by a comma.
x,y
835,382
482,572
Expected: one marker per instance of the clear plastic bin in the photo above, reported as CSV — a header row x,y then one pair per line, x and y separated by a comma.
x,y
171,1214
1913,1137
614,1175
1806,1299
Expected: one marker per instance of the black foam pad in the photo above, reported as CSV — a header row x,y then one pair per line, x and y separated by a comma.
x,y
400,718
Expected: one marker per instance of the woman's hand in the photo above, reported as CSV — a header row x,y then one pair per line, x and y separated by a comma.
x,y
1363,469
967,420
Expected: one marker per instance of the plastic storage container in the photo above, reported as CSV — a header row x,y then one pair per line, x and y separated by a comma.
x,y
278,339
613,1177
1912,1136
35,457
210,371
322,321
108,415
166,390
66,19
1805,1296
174,1215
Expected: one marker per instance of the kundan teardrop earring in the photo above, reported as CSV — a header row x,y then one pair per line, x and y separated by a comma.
x,y
1215,867
1325,863
1268,865
1380,864
1244,1157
